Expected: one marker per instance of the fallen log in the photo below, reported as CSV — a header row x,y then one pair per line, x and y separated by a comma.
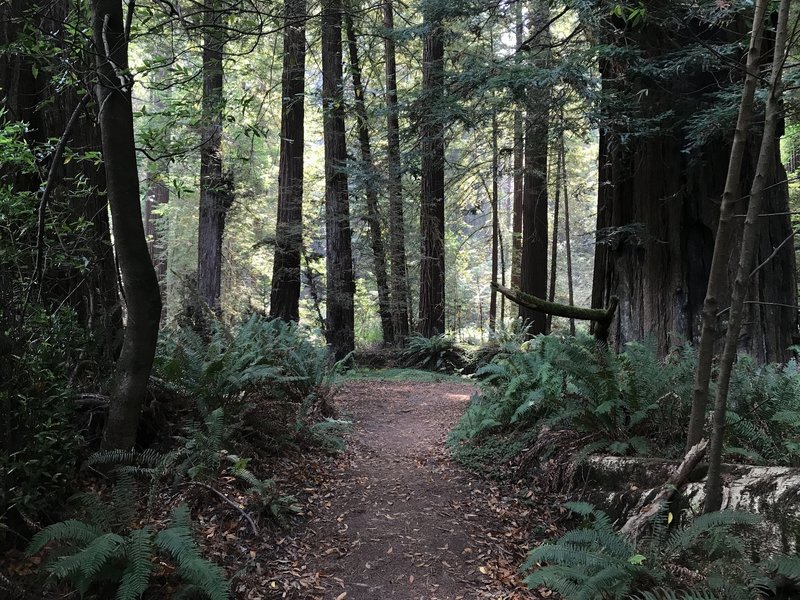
x,y
601,317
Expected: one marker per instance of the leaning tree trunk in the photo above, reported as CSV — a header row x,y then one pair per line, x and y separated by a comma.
x,y
766,158
139,281
285,294
431,286
216,194
371,188
533,269
340,318
658,206
567,239
397,231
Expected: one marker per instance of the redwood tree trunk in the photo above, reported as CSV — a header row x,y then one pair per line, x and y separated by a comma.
x,y
338,261
658,208
285,294
397,230
431,288
495,225
139,280
371,188
216,194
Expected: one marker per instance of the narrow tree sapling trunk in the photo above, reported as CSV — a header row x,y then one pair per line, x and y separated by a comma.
x,y
139,281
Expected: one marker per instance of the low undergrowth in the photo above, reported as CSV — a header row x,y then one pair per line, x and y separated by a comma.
x,y
627,403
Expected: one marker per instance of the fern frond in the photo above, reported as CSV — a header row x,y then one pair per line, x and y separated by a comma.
x,y
72,531
139,554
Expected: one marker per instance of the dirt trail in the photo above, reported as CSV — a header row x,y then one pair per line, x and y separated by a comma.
x,y
402,520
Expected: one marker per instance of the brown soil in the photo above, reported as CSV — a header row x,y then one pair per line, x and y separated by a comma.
x,y
400,520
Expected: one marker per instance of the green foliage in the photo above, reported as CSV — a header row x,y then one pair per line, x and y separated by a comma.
x,y
437,353
90,556
39,444
261,359
625,402
707,559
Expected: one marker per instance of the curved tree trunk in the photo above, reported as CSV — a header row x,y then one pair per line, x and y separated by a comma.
x,y
340,318
285,294
139,281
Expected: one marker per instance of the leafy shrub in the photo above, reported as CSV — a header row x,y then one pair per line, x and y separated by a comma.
x,y
708,559
437,353
260,359
105,556
39,444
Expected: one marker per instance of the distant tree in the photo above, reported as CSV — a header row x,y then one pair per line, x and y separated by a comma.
x,y
216,188
397,230
370,187
340,288
432,263
285,295
139,282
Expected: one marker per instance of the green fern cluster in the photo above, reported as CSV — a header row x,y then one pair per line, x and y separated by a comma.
x,y
708,559
260,359
436,353
106,552
622,401
763,419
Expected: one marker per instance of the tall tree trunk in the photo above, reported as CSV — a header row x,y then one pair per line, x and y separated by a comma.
x,y
551,293
216,193
567,239
533,272
431,288
285,293
519,165
139,280
371,188
397,231
747,253
658,205
495,226
718,280
339,262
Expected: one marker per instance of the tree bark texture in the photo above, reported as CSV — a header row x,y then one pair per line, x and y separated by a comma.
x,y
397,231
432,283
139,281
551,292
766,164
285,293
216,193
658,209
78,194
533,268
340,287
370,187
495,224
519,165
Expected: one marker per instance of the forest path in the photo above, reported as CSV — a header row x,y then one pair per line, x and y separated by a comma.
x,y
403,521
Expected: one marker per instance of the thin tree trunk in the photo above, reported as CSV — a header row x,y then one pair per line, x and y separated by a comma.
x,y
766,158
216,194
723,243
339,263
397,233
495,226
432,282
551,295
567,241
368,167
519,165
285,292
139,280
